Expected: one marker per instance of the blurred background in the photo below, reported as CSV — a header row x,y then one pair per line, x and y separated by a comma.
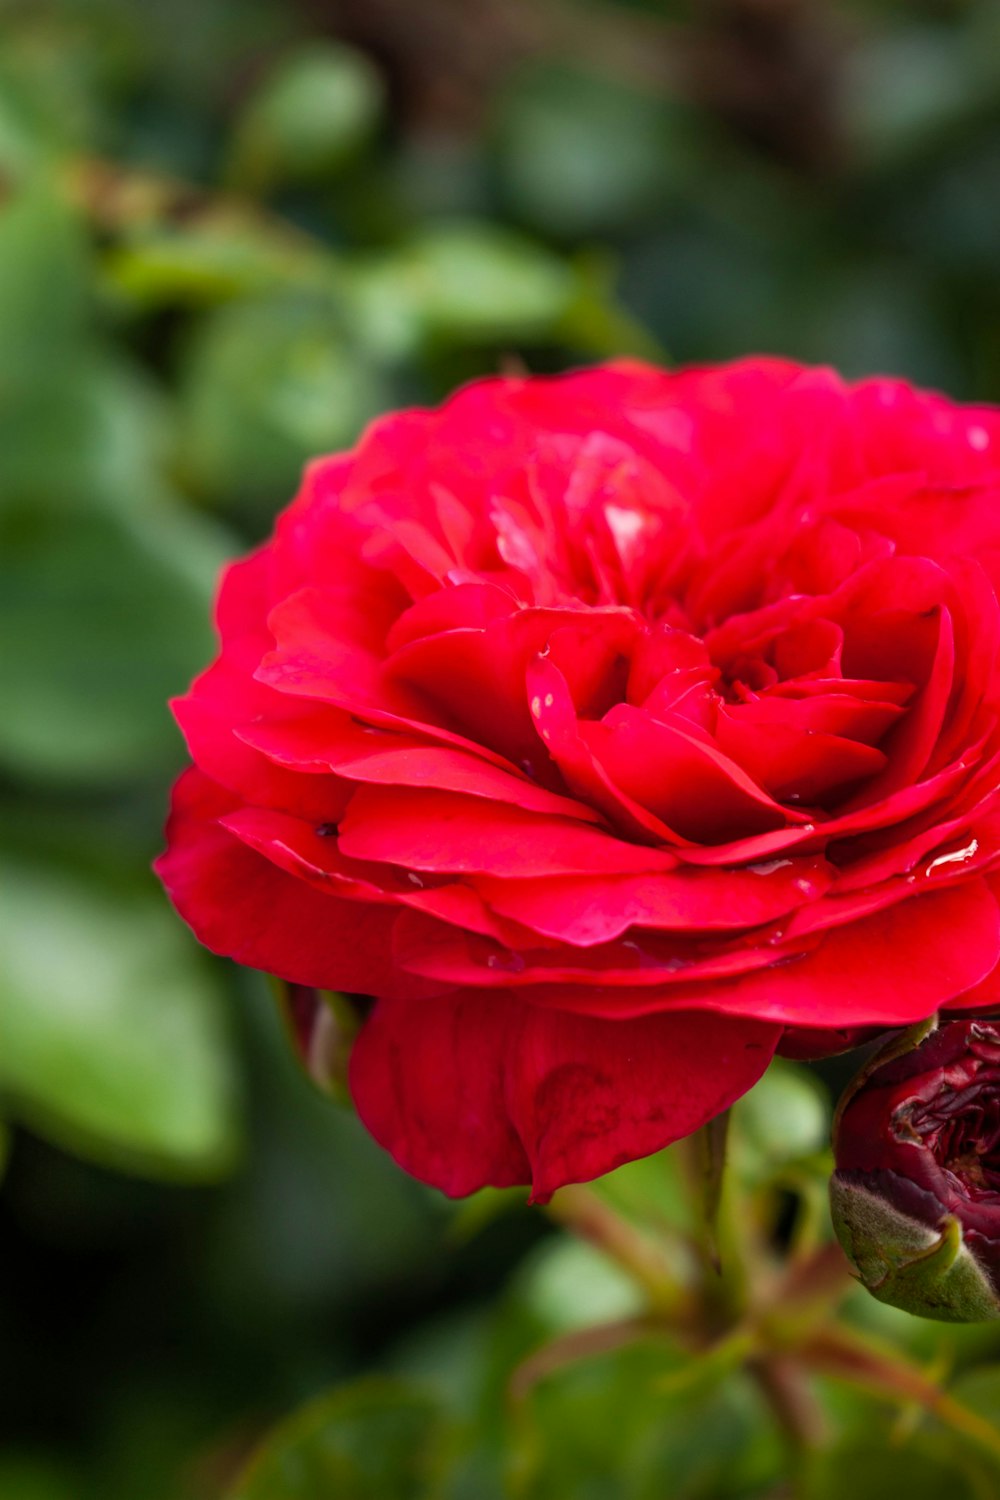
x,y
231,231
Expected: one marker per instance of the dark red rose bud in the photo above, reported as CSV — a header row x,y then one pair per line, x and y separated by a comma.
x,y
916,1193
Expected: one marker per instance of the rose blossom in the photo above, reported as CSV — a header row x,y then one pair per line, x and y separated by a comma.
x,y
611,731
916,1194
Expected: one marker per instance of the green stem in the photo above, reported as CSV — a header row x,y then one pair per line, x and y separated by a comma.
x,y
582,1343
584,1212
867,1363
786,1388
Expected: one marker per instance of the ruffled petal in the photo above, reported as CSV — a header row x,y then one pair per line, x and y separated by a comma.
x,y
241,905
473,1090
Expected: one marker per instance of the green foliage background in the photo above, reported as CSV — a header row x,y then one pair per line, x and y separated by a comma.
x,y
231,231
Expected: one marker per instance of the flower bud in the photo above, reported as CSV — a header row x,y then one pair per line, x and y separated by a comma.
x,y
916,1192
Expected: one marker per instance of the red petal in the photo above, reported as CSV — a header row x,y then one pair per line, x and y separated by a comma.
x,y
892,967
556,721
682,777
796,765
241,905
595,908
426,830
224,756
358,752
474,1090
889,969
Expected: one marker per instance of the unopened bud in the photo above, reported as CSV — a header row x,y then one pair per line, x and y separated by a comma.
x,y
916,1192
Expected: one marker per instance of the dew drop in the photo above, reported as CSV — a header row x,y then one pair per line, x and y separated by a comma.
x,y
957,857
768,867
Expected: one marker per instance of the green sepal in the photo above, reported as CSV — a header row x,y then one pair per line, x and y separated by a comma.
x,y
929,1272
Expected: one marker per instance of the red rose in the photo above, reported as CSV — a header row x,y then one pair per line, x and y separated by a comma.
x,y
606,729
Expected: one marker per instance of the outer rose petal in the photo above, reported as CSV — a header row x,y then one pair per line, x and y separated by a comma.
x,y
473,1090
241,905
810,1044
889,969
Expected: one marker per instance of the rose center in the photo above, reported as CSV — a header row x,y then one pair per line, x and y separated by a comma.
x,y
961,1126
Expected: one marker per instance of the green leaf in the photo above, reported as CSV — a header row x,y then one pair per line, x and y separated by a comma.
x,y
374,1440
568,1284
111,1037
784,1118
269,384
603,1429
580,153
904,89
82,431
225,255
102,618
47,98
979,1389
870,1469
44,282
33,1477
313,113
467,283
652,1191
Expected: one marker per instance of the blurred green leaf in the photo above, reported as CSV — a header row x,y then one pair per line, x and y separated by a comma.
x,y
376,1440
872,1469
47,103
979,1389
653,1191
325,1218
784,1118
221,257
470,282
580,153
83,432
80,424
36,1478
312,113
602,1429
111,1037
568,1284
267,386
907,87
101,619
45,291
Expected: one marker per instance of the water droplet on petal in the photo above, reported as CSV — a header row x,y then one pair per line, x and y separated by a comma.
x,y
956,857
